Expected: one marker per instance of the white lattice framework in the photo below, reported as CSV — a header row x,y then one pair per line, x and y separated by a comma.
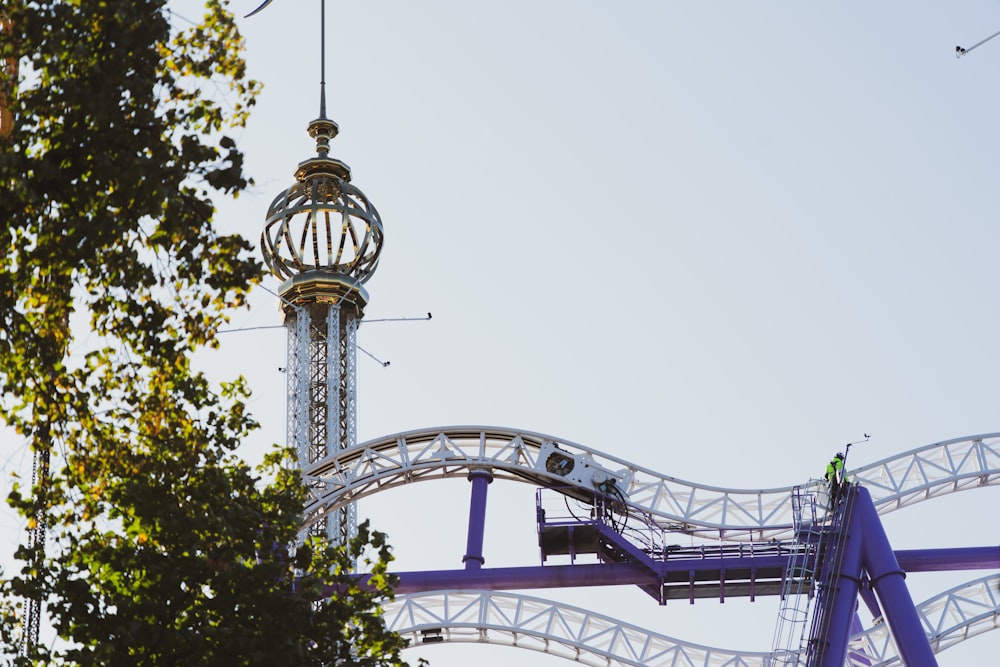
x,y
953,616
509,619
735,514
322,388
583,636
297,382
558,629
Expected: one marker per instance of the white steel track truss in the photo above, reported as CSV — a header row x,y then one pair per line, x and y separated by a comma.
x,y
735,514
346,475
521,621
953,616
576,634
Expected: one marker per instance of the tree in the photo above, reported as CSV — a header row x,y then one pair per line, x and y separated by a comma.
x,y
8,67
164,547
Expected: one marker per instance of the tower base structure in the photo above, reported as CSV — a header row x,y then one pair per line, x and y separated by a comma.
x,y
322,311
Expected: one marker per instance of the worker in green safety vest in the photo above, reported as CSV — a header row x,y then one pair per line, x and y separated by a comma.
x,y
836,475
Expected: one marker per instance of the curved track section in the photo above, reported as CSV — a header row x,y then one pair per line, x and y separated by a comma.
x,y
932,470
520,621
576,634
675,504
951,617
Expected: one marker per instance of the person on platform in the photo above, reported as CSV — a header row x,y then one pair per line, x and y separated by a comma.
x,y
836,476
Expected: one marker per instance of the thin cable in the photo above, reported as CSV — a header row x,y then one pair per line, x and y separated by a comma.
x,y
300,310
270,326
397,319
959,51
384,364
297,307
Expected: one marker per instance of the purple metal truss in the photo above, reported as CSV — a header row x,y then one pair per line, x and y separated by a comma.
x,y
860,564
621,574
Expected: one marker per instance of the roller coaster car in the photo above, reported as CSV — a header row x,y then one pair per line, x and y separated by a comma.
x,y
581,470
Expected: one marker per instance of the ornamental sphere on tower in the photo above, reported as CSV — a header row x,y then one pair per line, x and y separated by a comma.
x,y
322,224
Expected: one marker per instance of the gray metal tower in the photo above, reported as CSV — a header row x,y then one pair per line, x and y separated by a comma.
x,y
322,238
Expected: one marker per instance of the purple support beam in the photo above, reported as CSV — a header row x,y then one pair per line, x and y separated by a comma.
x,y
840,602
598,574
621,574
945,560
473,558
525,578
888,580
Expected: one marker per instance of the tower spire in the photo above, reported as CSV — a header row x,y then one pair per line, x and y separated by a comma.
x,y
322,51
322,59
322,238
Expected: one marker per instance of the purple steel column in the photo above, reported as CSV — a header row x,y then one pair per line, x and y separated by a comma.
x,y
889,582
955,558
839,612
473,558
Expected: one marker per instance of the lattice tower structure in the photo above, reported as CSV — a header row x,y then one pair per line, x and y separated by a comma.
x,y
40,480
322,238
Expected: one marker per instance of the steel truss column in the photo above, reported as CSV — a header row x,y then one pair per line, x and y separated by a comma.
x,y
322,392
297,382
334,355
347,411
319,382
334,437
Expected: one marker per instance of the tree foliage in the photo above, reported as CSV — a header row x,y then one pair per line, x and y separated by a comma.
x,y
164,547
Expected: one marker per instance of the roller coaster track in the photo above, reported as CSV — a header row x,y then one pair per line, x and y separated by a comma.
x,y
593,639
948,618
583,636
676,504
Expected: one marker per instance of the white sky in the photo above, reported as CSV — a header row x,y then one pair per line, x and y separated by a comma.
x,y
719,240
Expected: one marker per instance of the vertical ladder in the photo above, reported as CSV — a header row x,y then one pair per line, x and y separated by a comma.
x,y
798,585
830,562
